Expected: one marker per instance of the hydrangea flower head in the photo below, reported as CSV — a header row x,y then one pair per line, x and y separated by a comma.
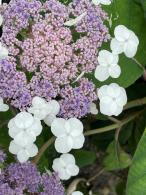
x,y
45,56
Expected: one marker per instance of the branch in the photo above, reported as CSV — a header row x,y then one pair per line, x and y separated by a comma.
x,y
43,149
135,103
114,126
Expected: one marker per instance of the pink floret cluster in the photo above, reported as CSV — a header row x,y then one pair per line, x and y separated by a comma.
x,y
46,57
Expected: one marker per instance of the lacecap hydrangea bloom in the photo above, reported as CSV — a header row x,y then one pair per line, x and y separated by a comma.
x,y
17,179
46,56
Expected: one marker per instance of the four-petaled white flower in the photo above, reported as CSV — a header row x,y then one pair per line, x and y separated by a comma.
x,y
75,21
112,99
23,153
93,109
77,193
125,41
65,166
104,2
108,66
69,134
24,129
3,52
3,107
54,108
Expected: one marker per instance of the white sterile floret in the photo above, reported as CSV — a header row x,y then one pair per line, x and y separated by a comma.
x,y
93,109
104,2
1,20
65,166
108,66
3,52
125,41
23,153
24,128
112,99
69,134
54,108
39,108
75,21
3,107
77,193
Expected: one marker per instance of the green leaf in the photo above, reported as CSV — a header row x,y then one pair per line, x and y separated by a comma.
x,y
130,14
136,184
117,158
84,157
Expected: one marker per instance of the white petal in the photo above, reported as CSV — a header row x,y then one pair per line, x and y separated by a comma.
x,y
77,193
79,142
55,107
57,165
118,110
1,20
114,90
105,2
96,2
104,109
93,109
113,107
13,129
122,99
38,102
49,119
3,52
72,170
23,120
4,107
104,57
134,38
102,91
115,71
58,127
35,128
116,46
32,150
63,144
130,49
23,139
68,158
122,33
75,126
106,100
14,148
101,73
22,156
64,175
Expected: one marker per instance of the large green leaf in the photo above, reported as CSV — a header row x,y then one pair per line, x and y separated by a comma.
x,y
136,184
117,158
130,14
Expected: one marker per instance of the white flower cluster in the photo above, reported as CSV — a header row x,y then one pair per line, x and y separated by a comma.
x,y
3,107
108,66
125,41
24,128
43,110
69,134
112,99
65,166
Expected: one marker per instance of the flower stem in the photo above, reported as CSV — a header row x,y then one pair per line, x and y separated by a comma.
x,y
43,149
114,126
135,103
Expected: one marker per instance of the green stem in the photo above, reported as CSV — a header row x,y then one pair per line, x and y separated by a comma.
x,y
139,64
114,126
135,103
43,149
